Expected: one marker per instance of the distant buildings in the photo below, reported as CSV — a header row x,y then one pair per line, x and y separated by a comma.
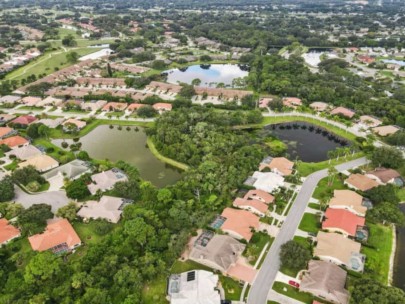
x,y
342,111
386,130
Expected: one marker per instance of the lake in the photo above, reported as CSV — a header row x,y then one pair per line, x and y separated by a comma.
x,y
399,266
129,146
305,141
393,61
209,74
313,57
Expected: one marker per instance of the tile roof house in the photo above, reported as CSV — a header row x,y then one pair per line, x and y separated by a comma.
x,y
368,121
292,102
239,223
25,152
5,118
23,120
385,176
162,107
327,281
51,123
59,237
319,106
7,232
260,196
360,182
108,208
50,101
6,131
41,163
194,287
114,107
267,181
343,112
106,180
279,165
94,105
219,252
30,101
80,124
347,253
264,102
343,221
348,200
71,170
9,99
386,130
14,142
134,106
255,206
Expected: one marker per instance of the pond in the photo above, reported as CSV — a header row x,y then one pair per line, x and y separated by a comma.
x,y
306,141
209,74
399,266
313,57
129,146
393,61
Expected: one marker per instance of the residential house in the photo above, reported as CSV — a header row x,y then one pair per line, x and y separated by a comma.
x,y
9,99
255,206
50,101
367,121
7,132
14,142
71,170
342,221
134,107
326,281
73,124
292,102
59,237
260,196
347,253
51,123
162,107
239,223
93,105
4,118
194,287
319,106
222,94
24,152
41,163
386,130
342,111
280,165
385,176
348,200
7,232
365,59
24,120
106,180
108,208
264,102
115,107
267,181
30,101
218,252
360,182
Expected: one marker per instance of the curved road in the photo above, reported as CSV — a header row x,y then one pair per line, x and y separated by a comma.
x,y
264,281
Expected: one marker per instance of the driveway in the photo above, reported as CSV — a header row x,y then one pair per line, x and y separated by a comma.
x,y
264,281
55,199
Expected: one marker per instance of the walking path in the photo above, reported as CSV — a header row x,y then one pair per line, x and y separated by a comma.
x,y
264,281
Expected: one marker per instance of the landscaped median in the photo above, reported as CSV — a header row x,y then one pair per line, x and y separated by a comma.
x,y
159,156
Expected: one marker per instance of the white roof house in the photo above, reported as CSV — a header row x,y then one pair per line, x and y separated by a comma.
x,y
267,181
51,123
41,163
194,287
24,153
106,180
108,208
71,170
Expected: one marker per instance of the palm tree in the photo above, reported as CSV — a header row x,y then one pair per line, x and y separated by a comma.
x,y
331,175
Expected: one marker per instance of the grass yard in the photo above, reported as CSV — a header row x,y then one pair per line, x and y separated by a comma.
x,y
179,266
59,154
401,194
303,241
256,245
310,223
314,206
47,63
378,257
155,292
292,292
232,288
323,190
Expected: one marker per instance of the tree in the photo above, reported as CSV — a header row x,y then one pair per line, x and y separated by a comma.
x,y
187,91
83,155
248,102
129,189
33,220
77,189
205,58
72,57
33,130
387,157
368,291
139,230
69,41
109,70
146,111
6,189
384,193
68,211
332,172
196,82
158,65
386,212
42,268
27,175
294,256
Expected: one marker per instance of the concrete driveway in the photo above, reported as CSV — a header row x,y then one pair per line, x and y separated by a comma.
x,y
264,280
55,199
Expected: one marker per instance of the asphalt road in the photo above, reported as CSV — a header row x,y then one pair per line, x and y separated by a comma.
x,y
264,281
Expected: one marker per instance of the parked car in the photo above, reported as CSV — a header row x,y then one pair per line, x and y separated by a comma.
x,y
293,283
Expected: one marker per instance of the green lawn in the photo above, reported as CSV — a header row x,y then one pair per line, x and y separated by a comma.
x,y
12,166
401,194
314,206
47,63
155,292
65,32
292,292
303,241
59,154
256,245
310,223
323,190
378,257
179,267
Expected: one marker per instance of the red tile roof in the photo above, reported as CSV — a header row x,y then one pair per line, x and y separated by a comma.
x,y
240,221
14,141
260,195
343,220
24,120
255,204
7,232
